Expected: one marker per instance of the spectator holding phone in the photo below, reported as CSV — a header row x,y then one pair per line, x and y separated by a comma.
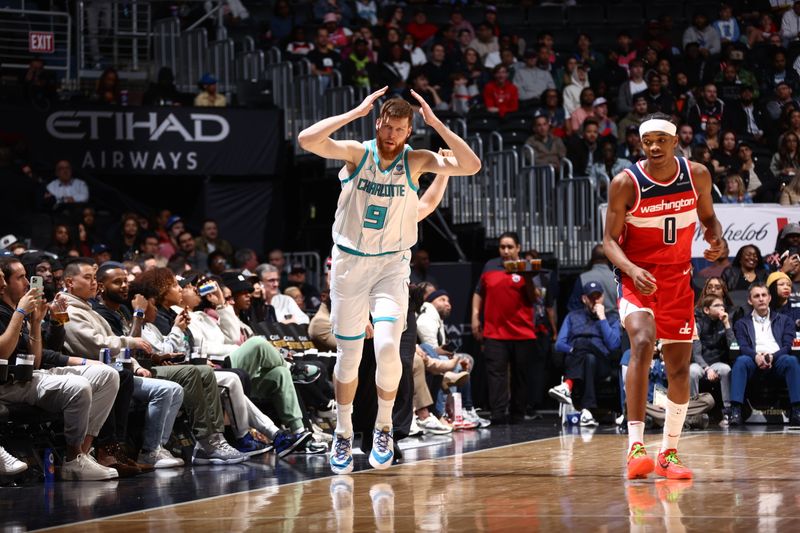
x,y
765,341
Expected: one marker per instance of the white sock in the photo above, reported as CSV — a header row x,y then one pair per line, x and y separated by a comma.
x,y
673,425
344,419
635,432
384,418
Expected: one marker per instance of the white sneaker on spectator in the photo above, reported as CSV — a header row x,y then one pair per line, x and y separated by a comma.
x,y
472,416
561,393
85,468
166,459
587,419
433,425
10,465
415,430
329,412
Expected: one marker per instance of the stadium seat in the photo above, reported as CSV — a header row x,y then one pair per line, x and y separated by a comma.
x,y
585,15
547,16
625,14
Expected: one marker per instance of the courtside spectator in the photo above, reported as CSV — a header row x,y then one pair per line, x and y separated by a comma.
x,y
83,392
275,307
711,350
765,342
587,338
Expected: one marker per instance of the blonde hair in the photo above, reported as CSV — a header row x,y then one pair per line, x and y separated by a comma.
x,y
397,108
740,192
292,292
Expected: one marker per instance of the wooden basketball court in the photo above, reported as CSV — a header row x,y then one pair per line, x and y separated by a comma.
x,y
745,481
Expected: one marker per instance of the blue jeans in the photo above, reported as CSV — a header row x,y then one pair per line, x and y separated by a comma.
x,y
786,367
465,390
163,399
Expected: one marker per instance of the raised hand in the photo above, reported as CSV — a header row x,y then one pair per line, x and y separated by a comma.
x,y
139,302
365,107
424,109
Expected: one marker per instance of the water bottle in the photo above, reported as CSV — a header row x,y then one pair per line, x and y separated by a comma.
x,y
105,356
123,97
49,466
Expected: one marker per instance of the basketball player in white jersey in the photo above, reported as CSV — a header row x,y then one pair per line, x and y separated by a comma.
x,y
374,228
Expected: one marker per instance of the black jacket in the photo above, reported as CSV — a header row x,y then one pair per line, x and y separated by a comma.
x,y
50,358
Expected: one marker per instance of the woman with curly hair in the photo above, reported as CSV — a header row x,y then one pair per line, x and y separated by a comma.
x,y
747,267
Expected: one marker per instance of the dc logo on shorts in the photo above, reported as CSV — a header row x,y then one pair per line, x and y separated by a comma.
x,y
685,330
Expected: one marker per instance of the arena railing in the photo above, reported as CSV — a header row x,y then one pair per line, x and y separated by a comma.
x,y
25,33
221,64
578,220
312,263
166,33
119,27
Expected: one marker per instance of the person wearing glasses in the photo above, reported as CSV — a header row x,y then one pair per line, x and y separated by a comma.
x,y
711,351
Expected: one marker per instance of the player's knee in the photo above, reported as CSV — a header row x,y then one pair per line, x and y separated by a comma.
x,y
347,361
388,372
642,342
680,373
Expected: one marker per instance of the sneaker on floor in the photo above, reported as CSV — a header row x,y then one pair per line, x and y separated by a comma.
x,y
85,468
587,419
10,465
382,496
159,458
561,393
415,430
166,459
668,465
215,450
382,448
464,423
250,446
639,463
341,490
312,447
472,416
342,454
286,442
433,425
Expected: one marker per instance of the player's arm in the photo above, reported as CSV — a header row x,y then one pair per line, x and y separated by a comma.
x,y
621,195
317,137
463,162
705,211
433,195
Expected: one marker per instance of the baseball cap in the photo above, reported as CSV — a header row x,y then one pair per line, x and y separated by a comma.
x,y
297,268
790,229
591,288
330,17
172,220
188,280
208,79
599,101
100,248
236,282
7,240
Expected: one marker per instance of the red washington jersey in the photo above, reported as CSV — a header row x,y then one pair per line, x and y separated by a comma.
x,y
659,228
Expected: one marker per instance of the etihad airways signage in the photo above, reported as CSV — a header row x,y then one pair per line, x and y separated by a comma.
x,y
155,140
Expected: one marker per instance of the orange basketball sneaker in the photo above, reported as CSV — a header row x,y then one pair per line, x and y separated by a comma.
x,y
639,464
669,465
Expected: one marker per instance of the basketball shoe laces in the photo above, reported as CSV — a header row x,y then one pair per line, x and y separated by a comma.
x,y
342,447
672,457
638,450
382,441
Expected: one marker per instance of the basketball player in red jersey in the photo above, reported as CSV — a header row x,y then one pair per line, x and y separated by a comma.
x,y
653,207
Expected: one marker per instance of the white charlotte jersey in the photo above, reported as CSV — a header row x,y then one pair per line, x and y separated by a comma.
x,y
377,209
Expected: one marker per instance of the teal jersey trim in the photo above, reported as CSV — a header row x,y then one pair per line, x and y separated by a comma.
x,y
359,167
378,159
408,172
384,319
362,254
354,338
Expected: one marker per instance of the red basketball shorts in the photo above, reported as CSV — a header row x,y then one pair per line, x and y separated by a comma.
x,y
672,305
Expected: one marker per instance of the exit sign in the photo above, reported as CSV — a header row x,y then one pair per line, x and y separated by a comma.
x,y
41,42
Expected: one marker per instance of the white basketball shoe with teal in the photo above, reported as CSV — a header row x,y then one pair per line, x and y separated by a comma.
x,y
342,454
382,448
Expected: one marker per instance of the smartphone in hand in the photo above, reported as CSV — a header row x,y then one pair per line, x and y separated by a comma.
x,y
37,282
